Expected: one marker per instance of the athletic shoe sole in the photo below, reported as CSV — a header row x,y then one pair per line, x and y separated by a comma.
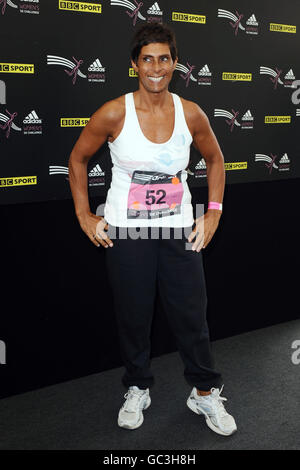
x,y
141,419
191,404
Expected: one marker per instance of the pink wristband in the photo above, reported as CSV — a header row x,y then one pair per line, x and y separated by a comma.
x,y
215,205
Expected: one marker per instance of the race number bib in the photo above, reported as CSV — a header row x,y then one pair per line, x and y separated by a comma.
x,y
152,195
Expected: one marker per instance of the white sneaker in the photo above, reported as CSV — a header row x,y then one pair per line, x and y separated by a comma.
x,y
212,407
131,415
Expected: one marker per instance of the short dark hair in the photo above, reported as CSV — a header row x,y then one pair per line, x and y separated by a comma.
x,y
153,32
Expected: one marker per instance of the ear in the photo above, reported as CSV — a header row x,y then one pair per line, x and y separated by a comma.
x,y
135,67
175,63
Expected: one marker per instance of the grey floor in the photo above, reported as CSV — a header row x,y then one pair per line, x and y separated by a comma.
x,y
261,384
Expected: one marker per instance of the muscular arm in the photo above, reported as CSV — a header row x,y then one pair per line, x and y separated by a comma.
x,y
206,143
204,140
102,125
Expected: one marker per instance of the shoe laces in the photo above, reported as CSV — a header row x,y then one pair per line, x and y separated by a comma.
x,y
132,400
216,401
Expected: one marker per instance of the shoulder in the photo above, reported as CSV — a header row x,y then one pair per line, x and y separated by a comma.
x,y
192,110
196,119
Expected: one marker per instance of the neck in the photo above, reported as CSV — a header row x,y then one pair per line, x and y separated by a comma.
x,y
151,101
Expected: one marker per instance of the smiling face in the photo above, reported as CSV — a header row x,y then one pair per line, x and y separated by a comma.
x,y
155,67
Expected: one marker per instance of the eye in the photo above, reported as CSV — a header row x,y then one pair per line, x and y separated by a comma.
x,y
146,59
165,59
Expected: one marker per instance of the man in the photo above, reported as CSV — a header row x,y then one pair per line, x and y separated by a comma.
x,y
149,133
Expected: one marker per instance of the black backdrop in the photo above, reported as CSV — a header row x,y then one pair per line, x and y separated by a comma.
x,y
233,74
56,320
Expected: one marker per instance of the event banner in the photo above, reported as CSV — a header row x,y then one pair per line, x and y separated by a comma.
x,y
62,60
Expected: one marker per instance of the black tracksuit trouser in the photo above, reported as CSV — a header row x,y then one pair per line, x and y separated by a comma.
x,y
135,267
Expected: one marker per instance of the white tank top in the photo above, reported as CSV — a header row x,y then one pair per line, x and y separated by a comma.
x,y
148,186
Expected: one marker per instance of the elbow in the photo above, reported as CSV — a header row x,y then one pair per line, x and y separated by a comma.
x,y
71,159
215,159
76,158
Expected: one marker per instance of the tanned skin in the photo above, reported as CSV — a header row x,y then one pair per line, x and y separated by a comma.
x,y
156,115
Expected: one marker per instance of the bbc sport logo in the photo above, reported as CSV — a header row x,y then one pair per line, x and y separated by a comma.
x,y
6,67
278,119
188,17
12,181
283,28
237,76
81,7
73,122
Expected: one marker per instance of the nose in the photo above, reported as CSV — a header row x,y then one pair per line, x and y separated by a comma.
x,y
157,66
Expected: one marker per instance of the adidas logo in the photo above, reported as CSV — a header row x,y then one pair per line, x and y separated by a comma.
x,y
96,171
96,66
284,159
32,118
252,21
154,10
247,116
290,75
201,165
297,112
205,71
